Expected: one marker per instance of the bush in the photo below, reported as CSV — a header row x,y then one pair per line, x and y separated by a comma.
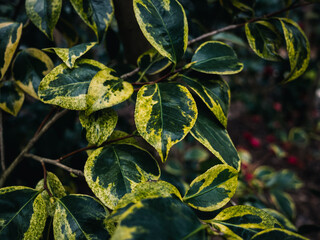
x,y
174,95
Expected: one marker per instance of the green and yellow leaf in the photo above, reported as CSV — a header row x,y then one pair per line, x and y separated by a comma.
x,y
164,24
284,203
209,132
107,90
148,190
22,213
214,92
70,55
164,114
56,189
285,222
10,34
44,14
160,218
216,57
114,170
28,69
80,217
68,88
213,189
96,14
264,39
151,62
11,97
243,222
99,125
117,134
277,234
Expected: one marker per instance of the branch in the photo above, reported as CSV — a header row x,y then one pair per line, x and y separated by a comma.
x,y
92,147
234,26
54,162
129,74
30,144
45,185
3,164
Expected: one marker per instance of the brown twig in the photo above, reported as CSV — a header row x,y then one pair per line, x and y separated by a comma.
x,y
46,118
3,163
55,163
45,185
30,144
129,74
234,26
93,147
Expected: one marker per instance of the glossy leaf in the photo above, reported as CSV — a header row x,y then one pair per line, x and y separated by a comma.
x,y
297,46
10,34
164,24
213,189
214,92
283,180
68,88
277,234
117,134
95,13
70,55
114,170
28,69
164,114
216,58
209,132
22,213
44,14
56,189
285,222
264,39
107,90
243,222
148,190
240,5
151,62
284,203
159,218
99,125
80,217
11,97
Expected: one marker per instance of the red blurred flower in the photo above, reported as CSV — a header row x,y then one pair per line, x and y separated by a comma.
x,y
247,135
248,177
277,106
255,142
270,138
293,160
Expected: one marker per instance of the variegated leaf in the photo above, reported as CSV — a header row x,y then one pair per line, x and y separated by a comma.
x,y
151,62
10,34
80,217
159,218
243,222
107,90
68,88
216,57
214,92
99,125
164,24
70,55
96,14
44,14
209,132
22,213
297,46
213,189
28,69
11,97
285,222
117,134
164,114
56,189
233,6
264,39
147,190
277,234
114,170
283,202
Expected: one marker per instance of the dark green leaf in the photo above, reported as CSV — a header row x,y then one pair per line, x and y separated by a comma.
x,y
284,203
164,24
11,97
277,234
285,222
44,14
164,114
114,170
